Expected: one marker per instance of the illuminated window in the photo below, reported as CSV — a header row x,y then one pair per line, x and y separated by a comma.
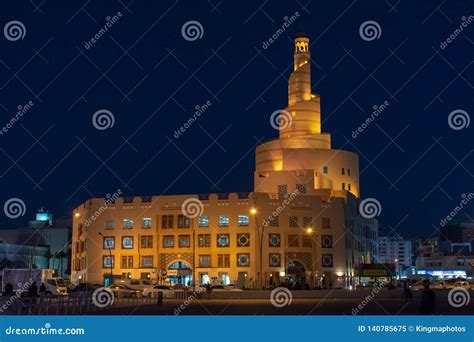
x,y
223,221
293,241
325,170
109,224
223,260
223,240
204,260
243,220
127,242
107,261
243,240
274,240
243,259
127,223
127,261
146,241
146,222
183,221
167,221
183,241
146,261
274,260
168,241
203,221
204,240
293,221
109,242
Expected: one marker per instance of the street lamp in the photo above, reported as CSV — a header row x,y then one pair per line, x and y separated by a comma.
x,y
254,212
310,231
110,256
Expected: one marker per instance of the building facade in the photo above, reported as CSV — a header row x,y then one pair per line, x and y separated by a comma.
x,y
301,224
396,249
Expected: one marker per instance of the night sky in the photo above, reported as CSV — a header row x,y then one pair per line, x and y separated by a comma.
x,y
151,79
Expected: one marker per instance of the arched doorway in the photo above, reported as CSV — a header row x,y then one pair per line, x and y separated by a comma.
x,y
296,273
180,272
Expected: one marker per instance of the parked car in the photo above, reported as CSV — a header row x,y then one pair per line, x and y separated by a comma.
x,y
137,284
121,290
225,288
168,291
83,287
464,284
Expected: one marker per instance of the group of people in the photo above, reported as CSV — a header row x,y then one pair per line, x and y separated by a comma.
x,y
428,297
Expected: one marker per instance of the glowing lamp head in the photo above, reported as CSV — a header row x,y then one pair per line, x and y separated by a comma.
x,y
76,215
253,211
309,230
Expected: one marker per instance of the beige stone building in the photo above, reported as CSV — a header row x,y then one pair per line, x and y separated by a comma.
x,y
301,225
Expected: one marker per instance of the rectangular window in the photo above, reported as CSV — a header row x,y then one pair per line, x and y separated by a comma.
x,y
343,186
243,259
167,221
204,260
204,240
168,241
146,241
146,223
127,223
243,220
183,241
109,224
109,242
342,171
274,221
243,240
325,222
282,189
146,261
293,221
326,241
348,172
307,221
274,260
293,241
127,242
203,221
274,240
223,260
127,261
349,186
325,170
223,240
107,261
183,221
307,242
223,221
301,188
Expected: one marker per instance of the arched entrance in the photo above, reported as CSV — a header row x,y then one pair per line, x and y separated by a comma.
x,y
180,272
296,273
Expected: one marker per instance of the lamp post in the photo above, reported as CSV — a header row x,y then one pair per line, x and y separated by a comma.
x,y
110,256
194,255
310,232
254,212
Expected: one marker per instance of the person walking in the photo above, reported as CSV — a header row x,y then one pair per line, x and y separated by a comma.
x,y
428,300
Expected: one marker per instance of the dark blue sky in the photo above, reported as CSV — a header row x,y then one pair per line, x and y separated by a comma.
x,y
151,78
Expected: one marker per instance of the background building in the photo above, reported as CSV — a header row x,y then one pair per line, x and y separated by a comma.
x,y
396,249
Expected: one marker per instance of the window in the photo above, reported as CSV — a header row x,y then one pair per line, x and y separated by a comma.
x,y
146,223
274,240
127,261
243,220
204,260
342,171
146,261
307,242
183,241
325,222
307,221
325,170
203,221
183,221
168,241
293,221
348,172
243,240
109,242
146,241
79,229
109,224
326,241
223,260
127,242
301,188
274,221
167,221
282,189
107,261
127,223
349,187
274,260
204,240
243,259
293,241
223,240
343,186
223,221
